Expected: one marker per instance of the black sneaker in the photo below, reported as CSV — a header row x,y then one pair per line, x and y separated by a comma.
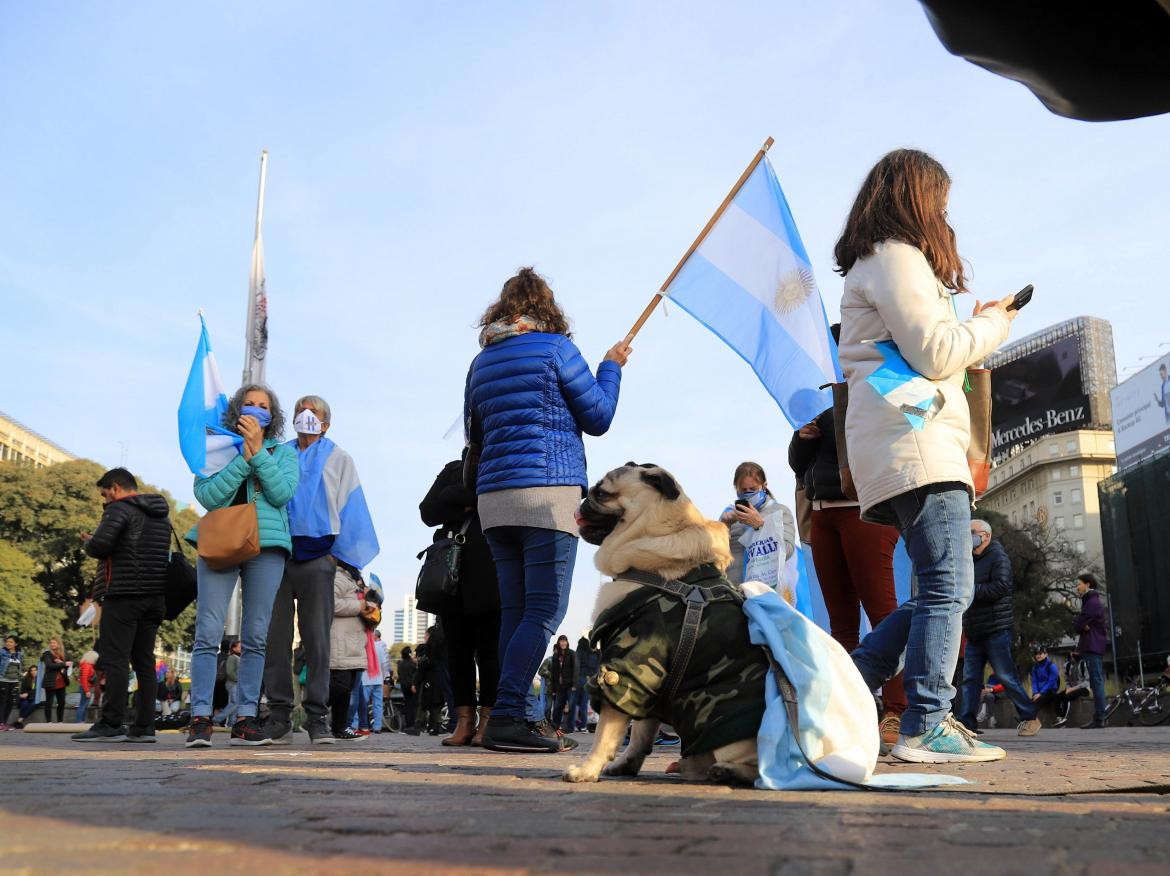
x,y
247,731
505,733
319,732
141,734
411,730
279,732
100,732
548,731
348,735
1095,724
199,733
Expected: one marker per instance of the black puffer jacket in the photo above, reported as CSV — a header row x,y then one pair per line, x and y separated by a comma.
x,y
991,609
134,538
445,506
814,461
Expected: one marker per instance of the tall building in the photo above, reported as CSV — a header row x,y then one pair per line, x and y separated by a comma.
x,y
410,624
1051,436
19,443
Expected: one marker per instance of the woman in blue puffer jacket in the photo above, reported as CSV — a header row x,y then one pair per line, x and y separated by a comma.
x,y
529,397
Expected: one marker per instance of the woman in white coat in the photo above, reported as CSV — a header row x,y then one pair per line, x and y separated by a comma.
x,y
905,353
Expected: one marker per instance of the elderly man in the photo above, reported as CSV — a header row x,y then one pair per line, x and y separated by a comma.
x,y
328,522
988,625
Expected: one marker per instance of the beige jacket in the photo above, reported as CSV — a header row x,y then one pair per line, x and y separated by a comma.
x,y
347,636
894,295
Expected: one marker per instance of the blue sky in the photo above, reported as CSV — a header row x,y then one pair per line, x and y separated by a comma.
x,y
419,153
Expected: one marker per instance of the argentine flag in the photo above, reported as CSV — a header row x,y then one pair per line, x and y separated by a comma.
x,y
329,501
750,281
206,445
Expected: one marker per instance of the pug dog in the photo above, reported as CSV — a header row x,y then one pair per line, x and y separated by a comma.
x,y
640,519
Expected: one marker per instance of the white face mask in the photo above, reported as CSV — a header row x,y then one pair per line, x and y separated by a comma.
x,y
306,423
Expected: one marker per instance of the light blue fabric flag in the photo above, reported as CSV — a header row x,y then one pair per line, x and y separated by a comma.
x,y
838,728
751,282
329,501
902,386
206,445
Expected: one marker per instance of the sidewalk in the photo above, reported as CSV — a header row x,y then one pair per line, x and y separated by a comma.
x,y
1066,801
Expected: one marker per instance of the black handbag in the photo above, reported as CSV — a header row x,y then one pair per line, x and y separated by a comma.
x,y
182,583
437,587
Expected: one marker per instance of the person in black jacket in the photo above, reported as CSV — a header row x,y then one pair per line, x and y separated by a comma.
x,y
133,542
988,625
471,623
408,681
563,681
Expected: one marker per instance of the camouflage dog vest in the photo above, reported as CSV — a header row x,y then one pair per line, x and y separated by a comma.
x,y
718,698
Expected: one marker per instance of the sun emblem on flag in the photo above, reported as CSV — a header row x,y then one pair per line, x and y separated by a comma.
x,y
793,290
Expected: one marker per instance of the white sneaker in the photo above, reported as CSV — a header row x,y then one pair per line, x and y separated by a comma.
x,y
949,742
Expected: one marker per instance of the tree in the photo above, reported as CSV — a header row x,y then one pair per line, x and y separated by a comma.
x,y
1044,571
24,611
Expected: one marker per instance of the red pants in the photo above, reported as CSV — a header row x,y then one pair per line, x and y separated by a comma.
x,y
855,566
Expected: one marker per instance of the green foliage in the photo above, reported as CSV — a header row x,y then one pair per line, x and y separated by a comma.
x,y
24,611
1044,570
43,512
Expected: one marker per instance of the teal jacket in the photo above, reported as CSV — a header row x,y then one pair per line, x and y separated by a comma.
x,y
278,473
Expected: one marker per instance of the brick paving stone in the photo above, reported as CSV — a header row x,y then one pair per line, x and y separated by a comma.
x,y
1069,802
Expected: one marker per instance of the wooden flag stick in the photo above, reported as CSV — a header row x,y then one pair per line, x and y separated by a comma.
x,y
698,240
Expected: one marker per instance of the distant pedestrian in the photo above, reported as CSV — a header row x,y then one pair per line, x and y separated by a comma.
x,y
1090,624
27,698
1045,679
86,684
563,675
988,624
761,531
170,694
408,682
347,647
265,475
430,691
56,679
231,685
11,667
588,662
1076,685
328,522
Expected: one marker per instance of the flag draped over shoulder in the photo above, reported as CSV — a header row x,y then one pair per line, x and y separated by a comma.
x,y
329,501
750,281
206,445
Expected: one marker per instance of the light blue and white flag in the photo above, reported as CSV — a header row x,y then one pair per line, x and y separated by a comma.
x,y
902,386
750,281
206,445
329,502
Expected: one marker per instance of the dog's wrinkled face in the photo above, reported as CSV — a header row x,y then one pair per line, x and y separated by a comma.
x,y
610,498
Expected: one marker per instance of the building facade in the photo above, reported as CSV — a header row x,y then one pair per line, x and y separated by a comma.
x,y
20,444
410,624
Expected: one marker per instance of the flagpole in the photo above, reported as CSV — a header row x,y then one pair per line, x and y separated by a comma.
x,y
251,325
698,240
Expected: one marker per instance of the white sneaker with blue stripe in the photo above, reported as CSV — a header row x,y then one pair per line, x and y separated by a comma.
x,y
949,742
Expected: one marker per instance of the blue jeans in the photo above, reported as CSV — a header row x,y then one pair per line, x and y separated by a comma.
x,y
580,707
359,707
82,707
260,578
1097,684
535,569
996,649
921,637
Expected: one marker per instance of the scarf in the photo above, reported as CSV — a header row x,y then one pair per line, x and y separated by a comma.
x,y
502,329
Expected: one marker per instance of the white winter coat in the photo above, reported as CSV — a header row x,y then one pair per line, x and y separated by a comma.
x,y
894,295
347,635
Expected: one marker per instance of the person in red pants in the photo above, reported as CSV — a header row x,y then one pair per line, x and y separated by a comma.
x,y
854,560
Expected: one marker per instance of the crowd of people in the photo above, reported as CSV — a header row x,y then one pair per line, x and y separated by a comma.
x,y
287,519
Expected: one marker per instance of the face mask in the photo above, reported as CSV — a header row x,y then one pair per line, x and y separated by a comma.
x,y
306,423
976,539
757,498
262,416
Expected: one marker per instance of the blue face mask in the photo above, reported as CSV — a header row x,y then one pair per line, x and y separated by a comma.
x,y
757,498
976,540
262,416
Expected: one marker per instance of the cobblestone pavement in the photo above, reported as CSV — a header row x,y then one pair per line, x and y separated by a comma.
x,y
1066,801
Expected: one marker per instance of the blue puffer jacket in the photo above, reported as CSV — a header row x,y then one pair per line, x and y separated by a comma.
x,y
528,399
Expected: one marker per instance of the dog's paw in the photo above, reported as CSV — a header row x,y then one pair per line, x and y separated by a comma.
x,y
578,774
735,774
622,767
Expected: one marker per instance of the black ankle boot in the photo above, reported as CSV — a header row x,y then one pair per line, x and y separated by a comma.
x,y
505,733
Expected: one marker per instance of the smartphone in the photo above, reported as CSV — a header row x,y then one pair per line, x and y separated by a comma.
x,y
743,503
1022,298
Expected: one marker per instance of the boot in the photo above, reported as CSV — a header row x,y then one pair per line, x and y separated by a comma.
x,y
464,727
485,712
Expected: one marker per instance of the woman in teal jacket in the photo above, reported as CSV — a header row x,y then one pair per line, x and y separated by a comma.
x,y
266,472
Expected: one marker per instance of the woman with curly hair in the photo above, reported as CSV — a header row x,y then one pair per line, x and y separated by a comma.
x,y
529,397
265,473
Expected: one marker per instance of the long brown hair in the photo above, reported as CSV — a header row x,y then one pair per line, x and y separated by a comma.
x,y
904,198
527,294
753,470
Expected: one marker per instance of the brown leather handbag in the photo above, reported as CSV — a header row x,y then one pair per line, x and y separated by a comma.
x,y
230,536
979,403
840,407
